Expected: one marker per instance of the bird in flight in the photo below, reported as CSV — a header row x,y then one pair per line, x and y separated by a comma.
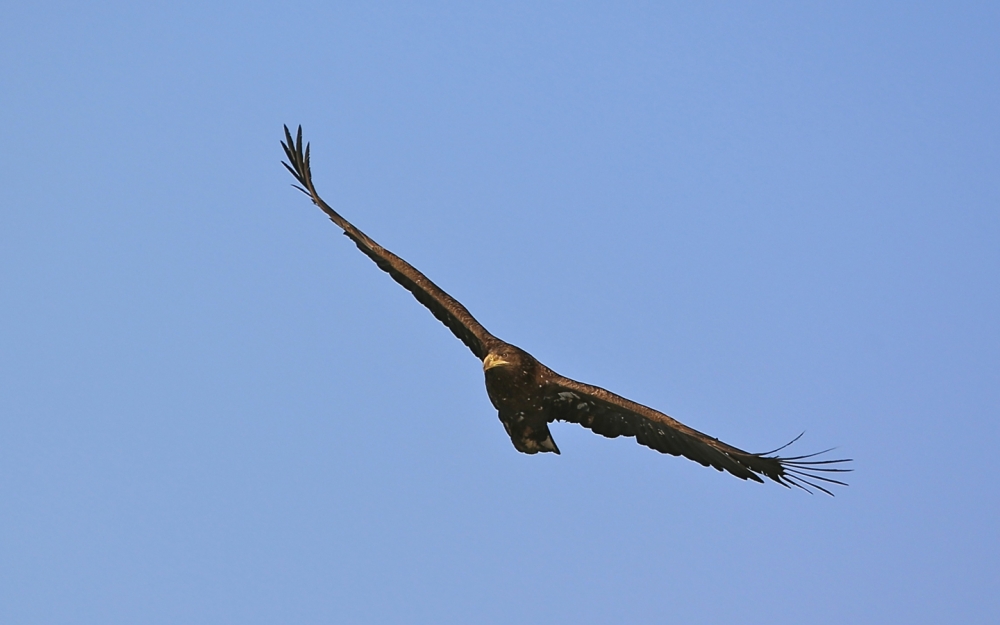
x,y
528,395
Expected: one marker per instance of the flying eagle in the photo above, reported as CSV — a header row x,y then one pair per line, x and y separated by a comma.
x,y
528,395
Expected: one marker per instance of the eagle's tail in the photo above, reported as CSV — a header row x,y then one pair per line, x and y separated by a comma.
x,y
528,437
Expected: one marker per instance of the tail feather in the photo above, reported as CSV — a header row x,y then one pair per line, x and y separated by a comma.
x,y
527,437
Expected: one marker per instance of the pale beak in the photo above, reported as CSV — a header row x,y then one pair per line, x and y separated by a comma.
x,y
493,360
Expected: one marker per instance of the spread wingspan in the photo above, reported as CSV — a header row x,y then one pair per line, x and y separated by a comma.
x,y
443,306
528,395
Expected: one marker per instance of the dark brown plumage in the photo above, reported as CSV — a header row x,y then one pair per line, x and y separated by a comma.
x,y
528,395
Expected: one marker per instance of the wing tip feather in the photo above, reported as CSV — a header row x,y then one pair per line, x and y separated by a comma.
x,y
801,472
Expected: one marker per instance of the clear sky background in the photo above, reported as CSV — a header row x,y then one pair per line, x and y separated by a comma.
x,y
760,218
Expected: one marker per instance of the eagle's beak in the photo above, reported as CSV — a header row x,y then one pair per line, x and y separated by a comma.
x,y
492,360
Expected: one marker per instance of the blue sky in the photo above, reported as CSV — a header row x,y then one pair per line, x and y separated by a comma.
x,y
759,218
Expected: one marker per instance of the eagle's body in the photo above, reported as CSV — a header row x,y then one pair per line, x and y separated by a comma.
x,y
518,386
528,395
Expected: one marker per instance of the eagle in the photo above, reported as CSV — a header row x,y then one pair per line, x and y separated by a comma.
x,y
528,395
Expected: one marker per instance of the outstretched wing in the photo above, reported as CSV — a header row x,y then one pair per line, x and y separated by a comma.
x,y
443,306
611,415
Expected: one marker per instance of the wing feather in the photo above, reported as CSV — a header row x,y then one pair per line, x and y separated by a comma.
x,y
443,306
611,415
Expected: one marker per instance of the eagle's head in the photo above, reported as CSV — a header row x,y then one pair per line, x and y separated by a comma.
x,y
506,356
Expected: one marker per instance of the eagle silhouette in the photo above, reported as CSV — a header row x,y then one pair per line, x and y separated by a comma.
x,y
528,395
